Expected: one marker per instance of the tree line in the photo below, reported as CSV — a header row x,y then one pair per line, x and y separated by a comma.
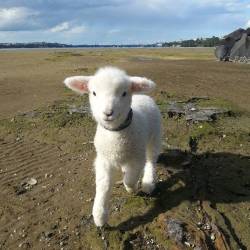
x,y
199,42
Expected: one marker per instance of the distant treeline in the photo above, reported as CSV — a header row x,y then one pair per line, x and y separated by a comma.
x,y
199,42
33,45
59,45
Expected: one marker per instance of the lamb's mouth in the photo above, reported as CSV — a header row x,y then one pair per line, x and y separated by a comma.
x,y
109,119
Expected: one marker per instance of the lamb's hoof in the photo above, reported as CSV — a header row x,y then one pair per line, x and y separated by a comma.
x,y
148,188
131,190
100,219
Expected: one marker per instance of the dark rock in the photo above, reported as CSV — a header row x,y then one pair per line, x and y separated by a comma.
x,y
48,234
25,186
30,114
20,190
234,47
193,144
175,230
193,113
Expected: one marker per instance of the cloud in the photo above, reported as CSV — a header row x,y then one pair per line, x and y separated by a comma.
x,y
119,21
66,27
77,29
16,17
248,24
60,27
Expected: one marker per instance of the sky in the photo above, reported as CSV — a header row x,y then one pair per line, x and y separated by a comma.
x,y
119,21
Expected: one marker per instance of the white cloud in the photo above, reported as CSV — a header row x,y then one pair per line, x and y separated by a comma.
x,y
16,16
60,27
77,29
66,27
248,24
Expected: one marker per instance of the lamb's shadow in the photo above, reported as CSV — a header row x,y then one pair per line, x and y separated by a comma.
x,y
216,177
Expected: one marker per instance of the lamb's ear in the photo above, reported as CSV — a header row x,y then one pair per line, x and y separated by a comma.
x,y
141,84
78,84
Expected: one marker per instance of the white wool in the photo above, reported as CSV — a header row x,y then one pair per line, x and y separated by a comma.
x,y
133,149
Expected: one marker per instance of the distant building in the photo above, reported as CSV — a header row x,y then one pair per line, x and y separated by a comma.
x,y
159,45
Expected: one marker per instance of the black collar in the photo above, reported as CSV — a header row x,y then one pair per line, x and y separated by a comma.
x,y
125,124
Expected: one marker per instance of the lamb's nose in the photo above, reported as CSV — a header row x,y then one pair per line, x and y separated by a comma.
x,y
109,112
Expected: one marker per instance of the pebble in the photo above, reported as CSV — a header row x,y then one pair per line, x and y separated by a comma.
x,y
185,163
199,224
32,181
207,226
212,236
187,244
48,235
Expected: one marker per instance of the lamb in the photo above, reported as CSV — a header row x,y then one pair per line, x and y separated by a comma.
x,y
128,133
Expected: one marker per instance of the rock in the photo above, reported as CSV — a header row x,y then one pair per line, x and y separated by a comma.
x,y
79,110
20,190
63,241
24,245
197,98
207,226
187,244
48,234
32,181
192,112
175,230
193,144
212,236
174,109
25,186
30,114
186,163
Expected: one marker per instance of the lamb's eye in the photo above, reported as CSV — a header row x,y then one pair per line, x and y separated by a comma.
x,y
94,93
124,93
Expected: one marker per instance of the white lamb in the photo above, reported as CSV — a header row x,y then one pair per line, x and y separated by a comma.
x,y
128,131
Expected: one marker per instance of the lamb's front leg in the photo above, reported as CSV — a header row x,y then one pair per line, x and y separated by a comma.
x,y
104,181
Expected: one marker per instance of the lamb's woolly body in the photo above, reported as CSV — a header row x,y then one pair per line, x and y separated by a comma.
x,y
130,144
134,149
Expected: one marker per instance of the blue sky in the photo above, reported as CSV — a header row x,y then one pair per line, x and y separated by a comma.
x,y
119,21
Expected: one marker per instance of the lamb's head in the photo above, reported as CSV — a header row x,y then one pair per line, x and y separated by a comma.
x,y
110,93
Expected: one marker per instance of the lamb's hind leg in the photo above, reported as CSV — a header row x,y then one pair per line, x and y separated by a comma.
x,y
148,179
131,177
